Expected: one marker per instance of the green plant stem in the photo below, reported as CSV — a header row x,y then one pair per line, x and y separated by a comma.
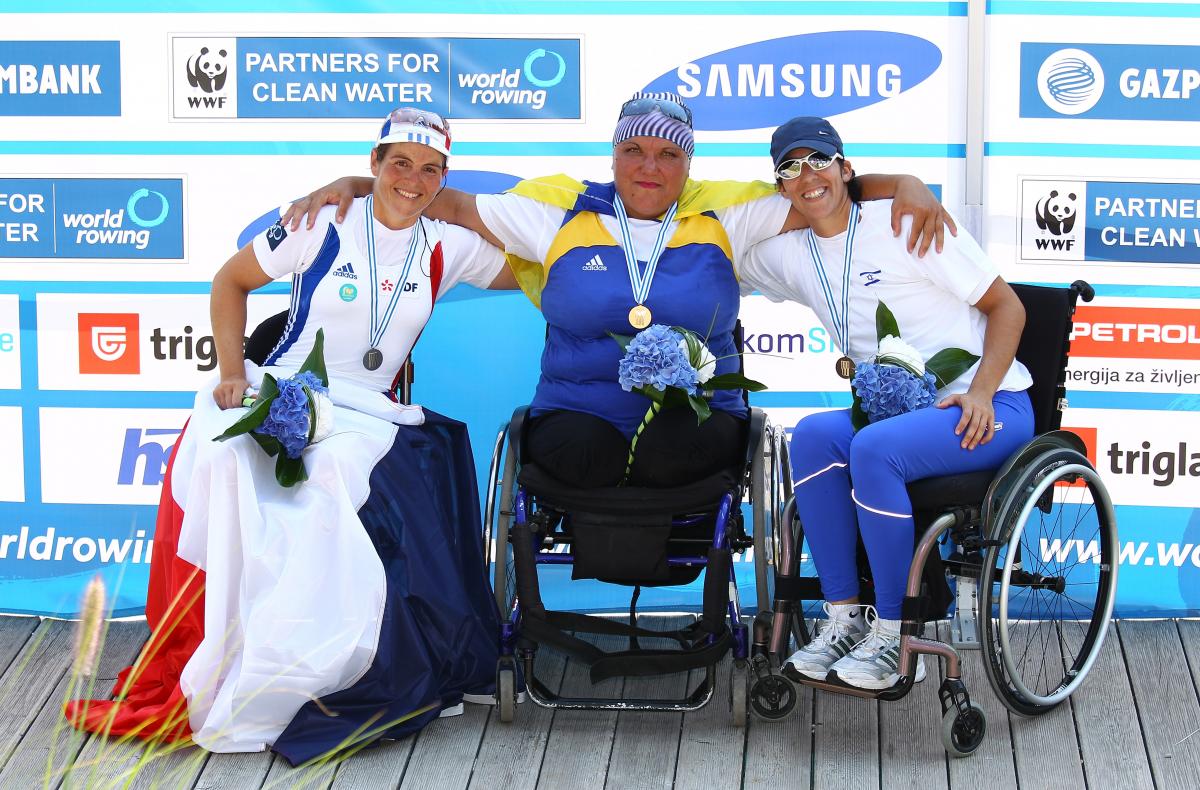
x,y
653,410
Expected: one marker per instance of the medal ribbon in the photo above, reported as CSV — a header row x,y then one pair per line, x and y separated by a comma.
x,y
841,323
377,326
639,280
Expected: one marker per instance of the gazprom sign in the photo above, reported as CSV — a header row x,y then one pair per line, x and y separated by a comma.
x,y
765,83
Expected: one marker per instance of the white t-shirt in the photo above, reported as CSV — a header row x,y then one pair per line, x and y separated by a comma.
x,y
332,285
930,297
528,226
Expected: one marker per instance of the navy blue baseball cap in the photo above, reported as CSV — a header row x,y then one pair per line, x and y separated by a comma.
x,y
805,132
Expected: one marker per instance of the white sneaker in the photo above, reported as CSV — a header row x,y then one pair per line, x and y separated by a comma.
x,y
453,710
874,662
488,699
836,636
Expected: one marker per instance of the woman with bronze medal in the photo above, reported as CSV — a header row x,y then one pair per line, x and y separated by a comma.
x,y
649,247
928,344
278,621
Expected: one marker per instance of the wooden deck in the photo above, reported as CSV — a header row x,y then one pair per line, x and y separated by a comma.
x,y
1136,724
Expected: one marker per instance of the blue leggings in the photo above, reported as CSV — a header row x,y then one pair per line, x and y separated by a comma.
x,y
826,455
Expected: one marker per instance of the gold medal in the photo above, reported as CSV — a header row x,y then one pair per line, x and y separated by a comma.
x,y
639,316
844,367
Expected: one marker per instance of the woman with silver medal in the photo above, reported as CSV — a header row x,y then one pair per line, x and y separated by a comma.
x,y
277,622
848,482
650,246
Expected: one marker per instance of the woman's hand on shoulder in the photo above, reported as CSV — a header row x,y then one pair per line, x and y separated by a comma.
x,y
930,218
229,392
341,193
976,426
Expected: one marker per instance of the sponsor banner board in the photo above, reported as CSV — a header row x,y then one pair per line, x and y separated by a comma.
x,y
132,341
57,78
82,218
366,77
10,342
1140,222
12,482
121,461
1140,82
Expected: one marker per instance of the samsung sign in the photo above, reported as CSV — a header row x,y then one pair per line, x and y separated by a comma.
x,y
1110,81
765,83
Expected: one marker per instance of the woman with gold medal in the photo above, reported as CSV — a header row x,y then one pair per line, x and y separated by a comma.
x,y
651,246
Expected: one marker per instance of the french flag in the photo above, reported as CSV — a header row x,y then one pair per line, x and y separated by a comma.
x,y
352,607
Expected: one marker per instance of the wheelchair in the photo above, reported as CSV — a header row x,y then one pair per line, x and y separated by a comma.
x,y
634,537
1032,551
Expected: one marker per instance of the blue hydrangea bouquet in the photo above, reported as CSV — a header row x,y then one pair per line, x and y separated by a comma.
x,y
673,367
290,414
898,380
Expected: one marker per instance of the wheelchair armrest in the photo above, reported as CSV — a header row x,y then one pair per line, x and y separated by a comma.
x,y
754,435
516,431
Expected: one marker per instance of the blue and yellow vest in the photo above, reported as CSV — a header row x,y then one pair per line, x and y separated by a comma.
x,y
584,293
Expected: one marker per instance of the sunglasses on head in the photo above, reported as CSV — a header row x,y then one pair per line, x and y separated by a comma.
x,y
791,168
424,118
649,104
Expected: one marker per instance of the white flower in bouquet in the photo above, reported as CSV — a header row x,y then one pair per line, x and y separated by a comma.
x,y
894,351
701,359
323,412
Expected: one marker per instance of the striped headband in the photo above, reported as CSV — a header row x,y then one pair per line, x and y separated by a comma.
x,y
655,124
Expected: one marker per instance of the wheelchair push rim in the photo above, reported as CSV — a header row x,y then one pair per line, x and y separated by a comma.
x,y
1044,601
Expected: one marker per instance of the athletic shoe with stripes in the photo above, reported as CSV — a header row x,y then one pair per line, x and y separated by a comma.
x,y
874,662
841,631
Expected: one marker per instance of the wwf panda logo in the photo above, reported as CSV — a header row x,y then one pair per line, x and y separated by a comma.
x,y
207,71
1056,213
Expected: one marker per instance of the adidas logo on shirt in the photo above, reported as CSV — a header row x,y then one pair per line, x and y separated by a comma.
x,y
595,265
346,270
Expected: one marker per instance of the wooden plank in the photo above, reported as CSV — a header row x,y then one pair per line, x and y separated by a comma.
x,y
511,754
444,752
225,771
1106,719
991,766
779,753
30,679
379,766
317,776
646,745
580,741
50,745
711,749
1045,747
1166,701
910,744
14,633
846,744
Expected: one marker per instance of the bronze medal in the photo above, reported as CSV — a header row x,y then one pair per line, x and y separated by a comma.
x,y
639,316
844,367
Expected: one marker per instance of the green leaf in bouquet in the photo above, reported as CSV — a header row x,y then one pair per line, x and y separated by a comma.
x,y
270,444
733,381
674,397
315,361
258,412
622,340
885,323
858,416
950,363
289,471
701,407
656,395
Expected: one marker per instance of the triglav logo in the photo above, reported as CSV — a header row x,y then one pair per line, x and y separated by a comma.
x,y
1051,220
108,343
1070,81
765,83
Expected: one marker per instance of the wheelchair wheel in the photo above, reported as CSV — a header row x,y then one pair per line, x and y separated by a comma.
x,y
963,731
1053,575
772,697
504,582
506,691
771,498
739,691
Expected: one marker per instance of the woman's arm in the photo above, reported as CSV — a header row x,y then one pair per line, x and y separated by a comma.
x,y
240,275
909,196
451,205
1005,320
